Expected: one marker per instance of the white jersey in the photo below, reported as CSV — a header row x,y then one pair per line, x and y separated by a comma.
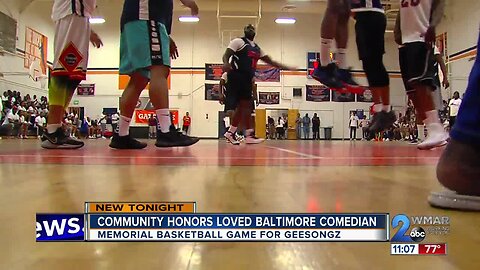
x,y
415,19
63,8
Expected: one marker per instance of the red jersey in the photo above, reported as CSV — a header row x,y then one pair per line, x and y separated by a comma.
x,y
186,121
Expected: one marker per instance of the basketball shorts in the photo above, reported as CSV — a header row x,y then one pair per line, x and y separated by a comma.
x,y
416,65
467,125
240,85
370,34
230,101
143,44
72,41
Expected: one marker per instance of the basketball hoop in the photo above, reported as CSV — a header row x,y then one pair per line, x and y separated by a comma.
x,y
35,72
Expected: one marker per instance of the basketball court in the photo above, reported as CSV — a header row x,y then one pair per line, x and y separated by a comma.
x,y
296,177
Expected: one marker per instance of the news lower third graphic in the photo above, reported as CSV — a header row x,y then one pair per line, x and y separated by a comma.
x,y
180,222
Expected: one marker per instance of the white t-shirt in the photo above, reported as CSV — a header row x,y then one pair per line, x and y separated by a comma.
x,y
40,121
63,8
354,121
115,118
415,20
21,109
31,109
8,118
454,106
16,117
238,44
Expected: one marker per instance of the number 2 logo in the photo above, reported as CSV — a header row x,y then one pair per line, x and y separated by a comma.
x,y
407,3
400,235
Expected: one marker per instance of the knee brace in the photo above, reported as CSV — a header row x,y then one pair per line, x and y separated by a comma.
x,y
376,73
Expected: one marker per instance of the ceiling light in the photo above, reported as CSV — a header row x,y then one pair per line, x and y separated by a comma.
x,y
286,20
97,20
188,19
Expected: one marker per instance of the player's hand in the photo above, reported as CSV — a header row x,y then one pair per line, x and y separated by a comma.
x,y
227,67
445,82
173,49
430,36
192,5
95,39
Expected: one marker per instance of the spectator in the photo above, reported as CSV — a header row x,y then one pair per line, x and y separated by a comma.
x,y
7,125
271,128
280,128
364,124
306,126
40,122
115,120
316,127
103,125
298,126
454,105
152,127
353,124
186,123
24,123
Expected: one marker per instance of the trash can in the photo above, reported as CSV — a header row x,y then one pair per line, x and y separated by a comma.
x,y
328,133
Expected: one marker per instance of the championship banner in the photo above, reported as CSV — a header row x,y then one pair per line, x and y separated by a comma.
x,y
212,91
269,98
142,116
213,72
318,93
367,96
342,97
266,73
86,89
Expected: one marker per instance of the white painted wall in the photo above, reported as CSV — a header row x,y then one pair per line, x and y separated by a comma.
x,y
199,44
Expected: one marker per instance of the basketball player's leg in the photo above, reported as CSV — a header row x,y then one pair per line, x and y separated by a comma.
x,y
370,34
134,61
72,35
421,80
326,72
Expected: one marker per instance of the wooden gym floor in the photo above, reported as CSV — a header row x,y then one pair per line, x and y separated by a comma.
x,y
277,176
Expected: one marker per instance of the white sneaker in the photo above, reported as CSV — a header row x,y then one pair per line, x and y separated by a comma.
x,y
230,139
434,140
253,140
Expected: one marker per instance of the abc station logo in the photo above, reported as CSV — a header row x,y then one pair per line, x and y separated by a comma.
x,y
417,234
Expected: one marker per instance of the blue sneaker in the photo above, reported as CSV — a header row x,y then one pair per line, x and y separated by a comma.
x,y
328,76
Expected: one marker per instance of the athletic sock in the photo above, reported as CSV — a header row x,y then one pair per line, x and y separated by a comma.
x,y
232,129
325,46
341,58
51,128
421,132
164,120
124,126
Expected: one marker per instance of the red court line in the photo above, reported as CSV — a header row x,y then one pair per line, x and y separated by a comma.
x,y
213,153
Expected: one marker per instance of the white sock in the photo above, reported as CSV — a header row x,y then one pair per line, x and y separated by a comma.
x,y
377,107
249,132
124,126
164,120
341,58
232,129
325,46
421,132
433,122
51,128
386,108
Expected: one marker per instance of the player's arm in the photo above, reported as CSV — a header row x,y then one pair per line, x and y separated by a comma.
x,y
192,5
443,67
438,8
222,91
397,32
226,56
267,59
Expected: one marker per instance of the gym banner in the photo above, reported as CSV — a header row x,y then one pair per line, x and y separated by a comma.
x,y
142,116
266,73
212,91
86,89
342,97
269,98
318,93
367,96
213,72
312,62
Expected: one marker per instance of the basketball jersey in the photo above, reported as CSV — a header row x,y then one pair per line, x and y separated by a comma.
x,y
246,56
143,10
367,5
415,19
63,8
